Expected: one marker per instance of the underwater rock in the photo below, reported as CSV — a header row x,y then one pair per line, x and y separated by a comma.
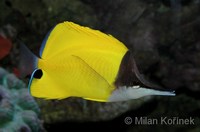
x,y
18,110
68,10
77,109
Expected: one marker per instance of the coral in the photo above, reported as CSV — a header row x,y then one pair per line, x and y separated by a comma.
x,y
18,110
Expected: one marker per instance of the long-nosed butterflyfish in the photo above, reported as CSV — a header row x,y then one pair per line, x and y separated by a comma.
x,y
77,61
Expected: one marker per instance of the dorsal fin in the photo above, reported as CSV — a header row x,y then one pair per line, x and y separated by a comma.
x,y
68,36
44,42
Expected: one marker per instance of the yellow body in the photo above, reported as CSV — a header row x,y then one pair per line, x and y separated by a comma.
x,y
78,61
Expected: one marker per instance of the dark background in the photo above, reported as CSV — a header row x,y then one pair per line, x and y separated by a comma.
x,y
162,34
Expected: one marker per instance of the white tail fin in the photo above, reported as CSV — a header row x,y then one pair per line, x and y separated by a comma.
x,y
126,93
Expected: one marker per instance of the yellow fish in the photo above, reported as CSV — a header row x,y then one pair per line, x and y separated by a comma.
x,y
77,61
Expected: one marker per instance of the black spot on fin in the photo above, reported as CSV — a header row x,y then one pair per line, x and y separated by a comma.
x,y
38,74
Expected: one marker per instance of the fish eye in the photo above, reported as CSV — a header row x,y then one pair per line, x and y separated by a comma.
x,y
38,74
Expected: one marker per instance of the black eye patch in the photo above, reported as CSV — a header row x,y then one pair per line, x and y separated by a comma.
x,y
38,74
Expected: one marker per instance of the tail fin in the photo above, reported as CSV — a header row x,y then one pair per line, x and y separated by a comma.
x,y
28,61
